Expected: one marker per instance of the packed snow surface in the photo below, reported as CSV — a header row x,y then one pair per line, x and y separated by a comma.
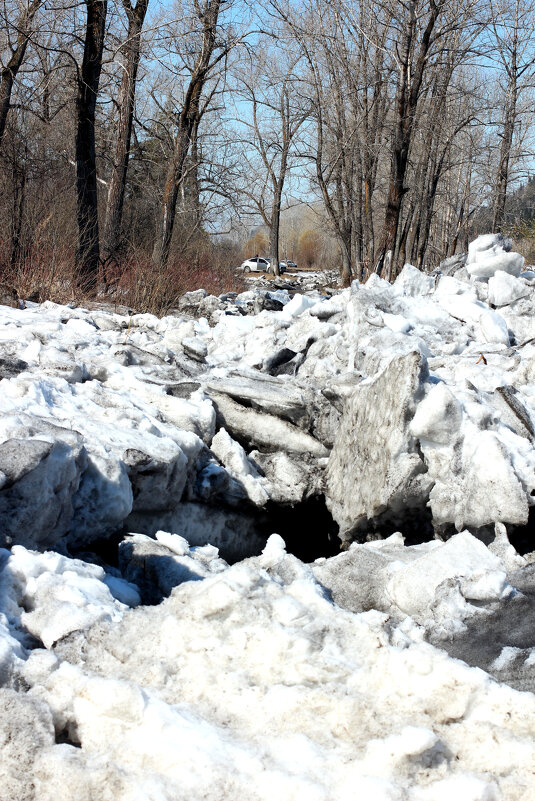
x,y
206,661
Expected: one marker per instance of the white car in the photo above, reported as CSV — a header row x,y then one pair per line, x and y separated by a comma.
x,y
256,265
263,265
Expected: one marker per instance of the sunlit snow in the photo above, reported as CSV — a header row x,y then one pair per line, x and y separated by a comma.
x,y
158,639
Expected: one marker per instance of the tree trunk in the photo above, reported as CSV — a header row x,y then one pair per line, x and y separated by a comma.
x,y
346,273
173,181
503,167
517,60
88,253
404,237
6,85
408,92
186,120
194,183
465,201
9,72
19,195
278,183
114,207
274,235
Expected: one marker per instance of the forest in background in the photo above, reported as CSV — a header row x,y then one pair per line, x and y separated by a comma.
x,y
148,148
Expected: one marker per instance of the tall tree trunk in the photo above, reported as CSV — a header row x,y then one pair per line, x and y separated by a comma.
x,y
274,229
400,150
404,236
19,196
88,253
194,183
346,271
517,59
185,124
9,72
411,73
278,183
503,166
429,206
463,211
173,181
116,189
7,78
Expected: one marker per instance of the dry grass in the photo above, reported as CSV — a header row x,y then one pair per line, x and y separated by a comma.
x,y
146,288
132,282
44,275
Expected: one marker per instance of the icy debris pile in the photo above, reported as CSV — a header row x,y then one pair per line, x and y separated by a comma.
x,y
405,406
490,254
250,682
406,410
396,477
156,565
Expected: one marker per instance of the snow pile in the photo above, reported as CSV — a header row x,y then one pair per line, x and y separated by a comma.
x,y
111,421
54,595
405,405
253,683
489,254
207,662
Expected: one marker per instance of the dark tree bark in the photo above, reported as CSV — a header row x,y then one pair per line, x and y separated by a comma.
x,y
274,238
208,16
88,253
512,37
9,72
502,178
194,183
411,73
289,129
20,176
366,79
116,189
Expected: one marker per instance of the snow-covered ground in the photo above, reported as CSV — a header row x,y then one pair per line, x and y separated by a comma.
x,y
158,639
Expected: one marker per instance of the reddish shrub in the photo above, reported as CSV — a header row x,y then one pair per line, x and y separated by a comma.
x,y
136,282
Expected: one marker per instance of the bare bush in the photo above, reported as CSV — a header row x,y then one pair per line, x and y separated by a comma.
x,y
137,283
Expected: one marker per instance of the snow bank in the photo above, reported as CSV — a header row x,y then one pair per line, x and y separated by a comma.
x,y
406,409
248,684
489,254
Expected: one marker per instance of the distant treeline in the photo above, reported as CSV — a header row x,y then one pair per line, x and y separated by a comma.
x,y
145,140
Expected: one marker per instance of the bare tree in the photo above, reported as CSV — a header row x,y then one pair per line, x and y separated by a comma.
x,y
513,48
443,116
207,53
413,46
18,35
88,253
430,38
348,78
315,32
275,113
373,112
364,63
131,51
